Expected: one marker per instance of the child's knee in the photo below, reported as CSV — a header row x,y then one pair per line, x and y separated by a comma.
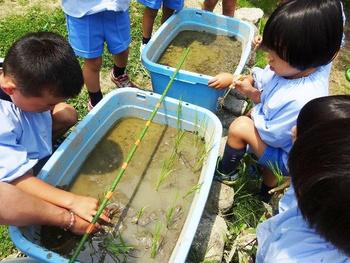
x,y
64,116
93,64
240,127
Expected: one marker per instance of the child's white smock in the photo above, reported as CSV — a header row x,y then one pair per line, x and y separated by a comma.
x,y
25,138
79,8
281,102
288,238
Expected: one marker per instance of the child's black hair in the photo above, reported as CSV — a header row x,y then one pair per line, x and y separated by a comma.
x,y
323,109
320,169
44,61
305,33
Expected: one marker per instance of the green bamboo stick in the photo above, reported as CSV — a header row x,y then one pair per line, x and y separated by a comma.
x,y
126,162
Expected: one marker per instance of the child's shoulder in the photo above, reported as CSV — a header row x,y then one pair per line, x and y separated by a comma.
x,y
287,237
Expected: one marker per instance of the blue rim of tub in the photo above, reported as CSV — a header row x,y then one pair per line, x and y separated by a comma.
x,y
192,76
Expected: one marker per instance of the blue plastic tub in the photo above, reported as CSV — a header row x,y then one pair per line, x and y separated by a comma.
x,y
189,86
128,102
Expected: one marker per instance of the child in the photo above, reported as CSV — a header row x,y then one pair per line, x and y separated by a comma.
x,y
92,23
317,230
40,72
298,71
313,113
150,13
228,6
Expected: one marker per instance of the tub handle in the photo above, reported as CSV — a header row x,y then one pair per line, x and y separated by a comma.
x,y
141,96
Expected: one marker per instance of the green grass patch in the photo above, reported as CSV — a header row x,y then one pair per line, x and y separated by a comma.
x,y
6,245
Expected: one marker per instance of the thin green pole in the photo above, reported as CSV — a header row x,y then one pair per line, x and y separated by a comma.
x,y
126,162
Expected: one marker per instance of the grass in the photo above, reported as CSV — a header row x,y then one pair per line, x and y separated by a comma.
x,y
6,245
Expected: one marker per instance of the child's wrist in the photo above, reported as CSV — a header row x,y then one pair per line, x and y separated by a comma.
x,y
69,221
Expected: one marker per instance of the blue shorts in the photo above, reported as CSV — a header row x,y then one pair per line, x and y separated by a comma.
x,y
156,4
273,156
88,34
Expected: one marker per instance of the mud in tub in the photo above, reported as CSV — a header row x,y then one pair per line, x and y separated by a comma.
x,y
159,201
218,44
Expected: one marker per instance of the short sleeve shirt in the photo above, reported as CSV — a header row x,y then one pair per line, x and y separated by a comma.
x,y
25,138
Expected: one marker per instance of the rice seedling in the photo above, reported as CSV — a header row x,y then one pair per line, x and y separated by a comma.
x,y
117,247
139,214
169,216
194,189
156,239
167,169
203,150
168,164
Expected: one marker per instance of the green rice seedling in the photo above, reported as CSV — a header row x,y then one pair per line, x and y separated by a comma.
x,y
203,150
165,172
139,214
193,190
116,246
168,164
169,216
156,239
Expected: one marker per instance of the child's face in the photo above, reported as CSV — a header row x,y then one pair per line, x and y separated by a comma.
x,y
28,103
281,67
35,104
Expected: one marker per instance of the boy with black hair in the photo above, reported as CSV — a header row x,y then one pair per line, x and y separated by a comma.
x,y
40,72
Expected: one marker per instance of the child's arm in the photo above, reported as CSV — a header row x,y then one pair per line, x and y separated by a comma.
x,y
246,88
27,209
85,207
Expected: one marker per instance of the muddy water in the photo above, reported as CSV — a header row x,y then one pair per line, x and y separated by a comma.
x,y
136,190
209,54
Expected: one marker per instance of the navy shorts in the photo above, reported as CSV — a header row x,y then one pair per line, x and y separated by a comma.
x,y
273,157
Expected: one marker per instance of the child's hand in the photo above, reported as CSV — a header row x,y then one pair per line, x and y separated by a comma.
x,y
80,226
243,86
256,42
220,81
86,208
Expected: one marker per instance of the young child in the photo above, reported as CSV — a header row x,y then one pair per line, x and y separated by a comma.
x,y
150,13
298,72
90,24
228,6
313,113
40,72
317,229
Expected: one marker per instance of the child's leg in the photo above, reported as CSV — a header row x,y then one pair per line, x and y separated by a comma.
x,y
118,38
149,16
228,7
209,5
86,37
166,13
91,73
64,116
241,132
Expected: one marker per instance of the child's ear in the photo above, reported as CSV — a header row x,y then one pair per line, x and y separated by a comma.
x,y
294,133
7,85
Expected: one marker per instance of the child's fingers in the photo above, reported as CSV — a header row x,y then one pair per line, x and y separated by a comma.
x,y
105,218
212,81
